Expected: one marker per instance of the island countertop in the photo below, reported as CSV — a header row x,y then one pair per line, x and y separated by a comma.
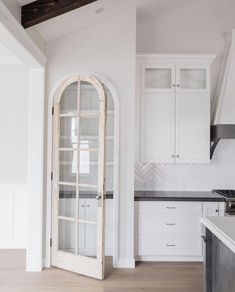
x,y
223,228
178,196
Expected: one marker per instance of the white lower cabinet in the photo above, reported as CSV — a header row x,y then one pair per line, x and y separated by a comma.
x,y
171,231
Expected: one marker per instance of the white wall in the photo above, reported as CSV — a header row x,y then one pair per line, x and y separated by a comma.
x,y
109,50
197,28
13,155
13,123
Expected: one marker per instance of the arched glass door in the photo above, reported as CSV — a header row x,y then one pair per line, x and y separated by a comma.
x,y
79,172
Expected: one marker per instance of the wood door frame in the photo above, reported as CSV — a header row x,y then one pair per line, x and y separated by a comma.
x,y
49,194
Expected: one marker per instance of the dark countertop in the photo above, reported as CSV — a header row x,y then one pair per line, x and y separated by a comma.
x,y
155,196
178,196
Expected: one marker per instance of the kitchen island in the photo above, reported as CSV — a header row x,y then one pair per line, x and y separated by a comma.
x,y
219,255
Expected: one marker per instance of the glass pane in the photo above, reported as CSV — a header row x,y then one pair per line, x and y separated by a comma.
x,y
67,201
87,193
66,240
68,166
68,132
87,241
193,78
89,126
110,105
109,150
109,178
68,101
89,100
110,125
88,170
158,78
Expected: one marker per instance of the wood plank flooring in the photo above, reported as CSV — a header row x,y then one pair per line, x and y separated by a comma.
x,y
147,277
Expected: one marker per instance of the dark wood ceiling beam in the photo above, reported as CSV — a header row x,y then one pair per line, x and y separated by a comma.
x,y
42,10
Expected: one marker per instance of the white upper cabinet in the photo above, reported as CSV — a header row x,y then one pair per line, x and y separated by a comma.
x,y
174,108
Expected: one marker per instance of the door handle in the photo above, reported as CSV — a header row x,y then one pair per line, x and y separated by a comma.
x,y
98,197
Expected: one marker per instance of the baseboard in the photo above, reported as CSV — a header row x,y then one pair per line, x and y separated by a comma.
x,y
13,245
168,259
125,263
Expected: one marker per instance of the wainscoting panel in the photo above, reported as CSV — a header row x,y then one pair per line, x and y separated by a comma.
x,y
13,216
220,173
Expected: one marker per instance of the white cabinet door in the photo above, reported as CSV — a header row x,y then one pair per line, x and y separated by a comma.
x,y
192,128
192,114
157,127
157,112
211,209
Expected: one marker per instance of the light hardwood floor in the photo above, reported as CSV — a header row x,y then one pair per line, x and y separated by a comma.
x,y
147,277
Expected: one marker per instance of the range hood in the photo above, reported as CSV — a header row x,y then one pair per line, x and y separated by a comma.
x,y
223,119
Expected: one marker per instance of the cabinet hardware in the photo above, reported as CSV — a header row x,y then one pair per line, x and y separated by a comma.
x,y
88,206
83,206
170,245
178,85
50,242
173,85
171,208
177,156
173,156
170,224
217,211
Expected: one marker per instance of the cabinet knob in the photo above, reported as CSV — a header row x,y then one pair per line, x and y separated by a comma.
x,y
173,85
178,85
177,156
173,156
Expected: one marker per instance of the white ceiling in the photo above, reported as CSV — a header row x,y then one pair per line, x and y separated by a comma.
x,y
147,9
6,57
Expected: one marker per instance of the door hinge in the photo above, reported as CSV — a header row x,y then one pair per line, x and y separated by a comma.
x,y
50,242
52,110
51,175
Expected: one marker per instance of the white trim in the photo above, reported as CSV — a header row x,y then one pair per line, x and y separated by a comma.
x,y
169,258
15,38
108,84
35,170
126,263
204,58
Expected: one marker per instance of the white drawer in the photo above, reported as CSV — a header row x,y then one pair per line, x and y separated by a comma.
x,y
171,208
168,245
151,224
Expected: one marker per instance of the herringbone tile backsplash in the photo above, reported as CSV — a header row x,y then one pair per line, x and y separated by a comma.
x,y
219,174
